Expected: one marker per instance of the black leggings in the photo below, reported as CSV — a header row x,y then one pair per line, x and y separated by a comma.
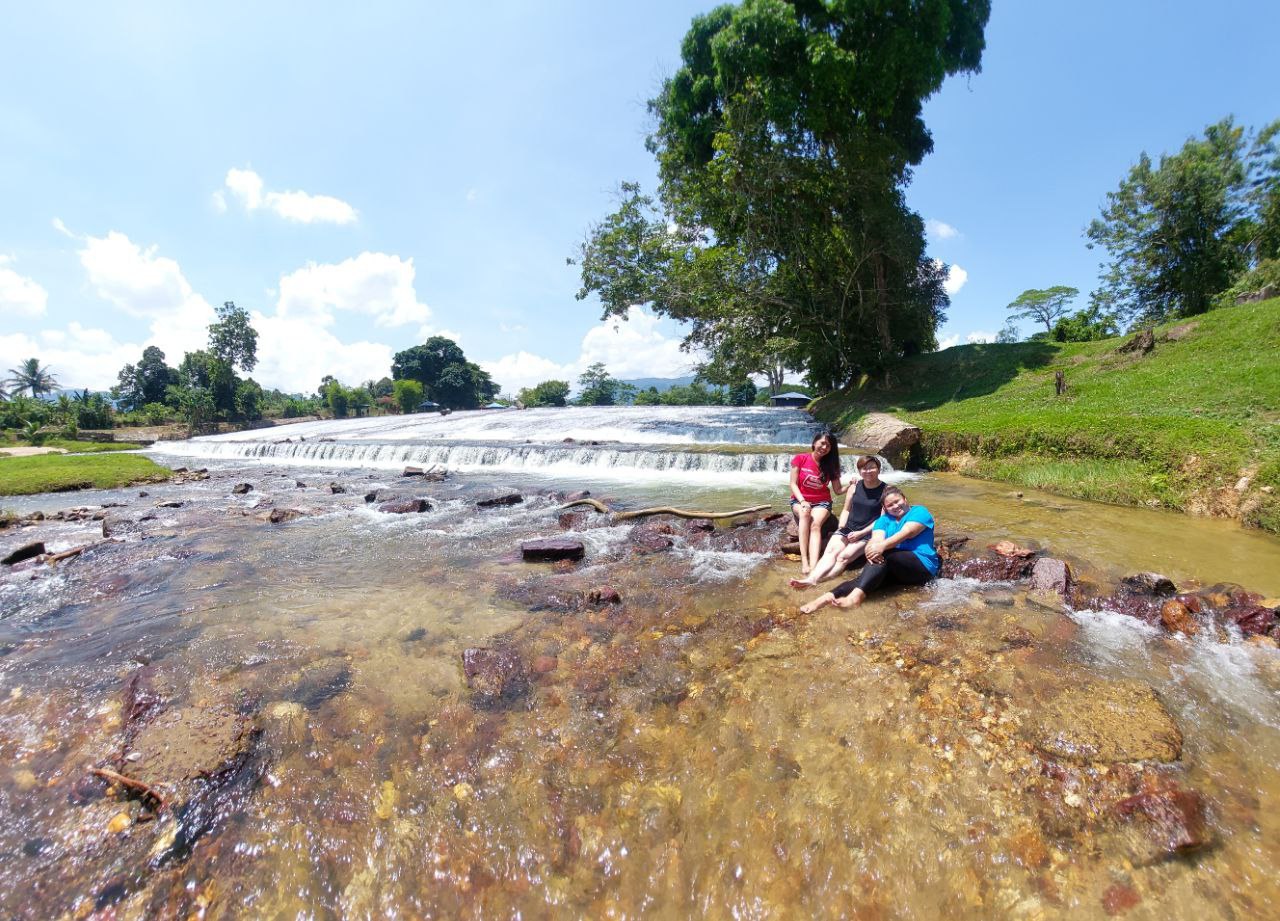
x,y
901,566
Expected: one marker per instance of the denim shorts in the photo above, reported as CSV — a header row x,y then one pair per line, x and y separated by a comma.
x,y
826,505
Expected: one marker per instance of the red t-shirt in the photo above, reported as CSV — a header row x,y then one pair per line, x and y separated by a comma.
x,y
810,480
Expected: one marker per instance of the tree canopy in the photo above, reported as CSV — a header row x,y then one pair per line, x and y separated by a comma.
x,y
446,376
784,144
233,340
1043,305
547,393
33,377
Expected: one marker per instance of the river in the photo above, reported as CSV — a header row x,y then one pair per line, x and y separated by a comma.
x,y
696,748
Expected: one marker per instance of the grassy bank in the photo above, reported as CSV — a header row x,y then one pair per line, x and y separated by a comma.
x,y
22,476
70,445
1181,426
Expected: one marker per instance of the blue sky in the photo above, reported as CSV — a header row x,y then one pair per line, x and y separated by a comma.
x,y
363,178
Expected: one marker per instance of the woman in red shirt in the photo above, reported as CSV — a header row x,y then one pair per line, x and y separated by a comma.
x,y
812,475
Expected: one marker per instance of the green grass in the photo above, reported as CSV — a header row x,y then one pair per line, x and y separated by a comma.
x,y
1173,427
70,445
22,476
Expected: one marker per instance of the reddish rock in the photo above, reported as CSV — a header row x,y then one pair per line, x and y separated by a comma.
x,y
25,552
1143,607
139,700
700,525
571,521
1177,618
1175,818
988,569
506,498
649,540
544,664
1250,618
549,550
494,674
580,494
281,515
1009,548
405,506
1050,575
604,595
1150,583
1119,898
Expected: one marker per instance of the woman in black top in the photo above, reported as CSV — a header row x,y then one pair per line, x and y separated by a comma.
x,y
860,510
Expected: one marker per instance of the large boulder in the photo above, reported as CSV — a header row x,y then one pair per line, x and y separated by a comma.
x,y
880,433
1104,721
24,552
549,550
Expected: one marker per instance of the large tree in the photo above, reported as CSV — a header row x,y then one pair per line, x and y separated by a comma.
x,y
446,376
784,143
1044,305
146,382
233,339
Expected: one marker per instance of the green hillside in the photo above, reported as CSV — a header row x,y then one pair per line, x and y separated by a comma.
x,y
1180,426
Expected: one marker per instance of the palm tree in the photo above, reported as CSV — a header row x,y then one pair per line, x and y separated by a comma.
x,y
30,376
4,394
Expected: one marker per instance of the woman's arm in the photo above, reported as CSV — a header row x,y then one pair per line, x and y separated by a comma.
x,y
879,543
872,551
795,486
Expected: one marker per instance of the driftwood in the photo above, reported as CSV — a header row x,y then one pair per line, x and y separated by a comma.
x,y
661,510
131,784
54,558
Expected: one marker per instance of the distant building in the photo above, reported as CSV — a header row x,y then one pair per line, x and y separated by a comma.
x,y
789,399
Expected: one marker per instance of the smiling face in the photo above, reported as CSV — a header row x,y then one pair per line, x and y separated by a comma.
x,y
870,475
895,504
822,446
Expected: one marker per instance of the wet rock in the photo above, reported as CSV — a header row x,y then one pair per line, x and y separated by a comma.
x,y
988,569
298,484
494,674
572,521
1150,583
405,506
499,499
700,526
1172,819
241,489
1104,721
25,552
543,665
648,539
548,550
281,515
604,595
1051,575
580,494
1145,608
1250,618
415,635
413,471
86,789
337,488
175,503
1119,898
371,496
140,699
189,743
319,683
1177,618
1009,548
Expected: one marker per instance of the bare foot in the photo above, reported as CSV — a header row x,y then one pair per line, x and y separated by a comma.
x,y
816,603
799,583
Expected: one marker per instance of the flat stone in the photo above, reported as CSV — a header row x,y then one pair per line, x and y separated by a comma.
x,y
1050,575
503,498
548,550
1104,721
187,743
405,506
25,552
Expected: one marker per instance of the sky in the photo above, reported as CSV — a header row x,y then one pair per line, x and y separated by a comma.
x,y
360,177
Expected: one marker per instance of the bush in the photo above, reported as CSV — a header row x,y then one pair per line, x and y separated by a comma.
x,y
408,394
1258,284
70,431
33,434
157,413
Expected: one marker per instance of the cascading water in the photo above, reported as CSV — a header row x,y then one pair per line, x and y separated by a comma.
x,y
678,442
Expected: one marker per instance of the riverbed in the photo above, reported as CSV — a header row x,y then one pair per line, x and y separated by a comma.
x,y
682,740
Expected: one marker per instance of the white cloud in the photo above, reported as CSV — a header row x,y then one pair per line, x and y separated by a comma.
x,y
940,229
19,294
377,284
980,336
294,353
152,287
77,356
250,190
631,348
956,277
951,340
62,228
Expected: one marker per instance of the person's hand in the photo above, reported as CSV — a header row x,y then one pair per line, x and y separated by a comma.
x,y
874,552
804,503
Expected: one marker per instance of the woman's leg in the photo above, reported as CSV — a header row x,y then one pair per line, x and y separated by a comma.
x,y
804,519
850,552
820,602
820,515
825,567
905,567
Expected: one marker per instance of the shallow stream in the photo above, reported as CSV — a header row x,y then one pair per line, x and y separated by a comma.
x,y
698,748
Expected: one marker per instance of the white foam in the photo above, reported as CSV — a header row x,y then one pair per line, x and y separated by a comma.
x,y
1114,639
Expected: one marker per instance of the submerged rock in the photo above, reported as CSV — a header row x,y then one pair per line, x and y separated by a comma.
x,y
189,743
494,674
549,550
1172,821
1150,583
1250,618
503,498
405,506
1105,721
649,539
281,515
319,683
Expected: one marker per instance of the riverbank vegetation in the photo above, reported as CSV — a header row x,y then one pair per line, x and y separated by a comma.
x,y
1193,424
23,476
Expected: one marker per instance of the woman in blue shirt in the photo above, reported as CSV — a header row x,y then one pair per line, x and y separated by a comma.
x,y
901,550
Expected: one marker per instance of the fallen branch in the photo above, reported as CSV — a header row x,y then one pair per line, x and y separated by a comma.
x,y
130,783
53,558
594,503
684,513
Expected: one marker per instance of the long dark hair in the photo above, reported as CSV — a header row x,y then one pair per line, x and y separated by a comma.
x,y
830,463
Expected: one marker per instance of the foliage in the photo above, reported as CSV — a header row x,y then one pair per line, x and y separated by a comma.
x,y
1262,281
997,402
547,393
1179,232
743,393
157,413
90,411
338,399
784,143
32,376
383,387
195,405
146,382
1043,305
1085,326
408,395
33,434
233,340
596,387
446,376
21,476
1009,332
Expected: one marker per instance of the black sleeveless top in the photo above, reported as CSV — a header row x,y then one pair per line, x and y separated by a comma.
x,y
864,505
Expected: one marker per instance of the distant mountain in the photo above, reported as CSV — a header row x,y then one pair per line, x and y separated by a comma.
x,y
662,383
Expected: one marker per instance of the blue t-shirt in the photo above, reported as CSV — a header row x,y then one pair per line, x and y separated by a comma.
x,y
921,544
